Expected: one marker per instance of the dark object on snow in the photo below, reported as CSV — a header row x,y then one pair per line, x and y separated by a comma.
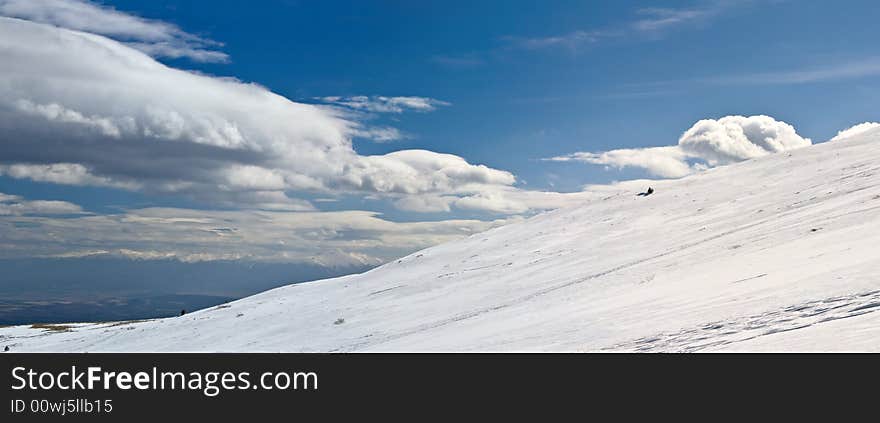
x,y
182,312
6,348
646,193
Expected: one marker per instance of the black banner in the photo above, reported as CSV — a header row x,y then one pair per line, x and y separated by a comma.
x,y
111,387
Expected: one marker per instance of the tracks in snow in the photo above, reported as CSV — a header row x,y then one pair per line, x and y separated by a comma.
x,y
714,334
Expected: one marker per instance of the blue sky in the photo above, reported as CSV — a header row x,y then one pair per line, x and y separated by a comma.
x,y
498,86
636,89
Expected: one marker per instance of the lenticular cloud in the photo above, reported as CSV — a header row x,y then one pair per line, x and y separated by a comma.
x,y
82,109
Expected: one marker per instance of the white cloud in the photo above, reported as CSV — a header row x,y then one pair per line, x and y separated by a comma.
x,y
494,202
245,177
382,104
78,108
13,205
81,109
56,112
707,143
63,174
425,203
174,50
380,134
156,38
855,130
667,162
736,138
503,200
404,172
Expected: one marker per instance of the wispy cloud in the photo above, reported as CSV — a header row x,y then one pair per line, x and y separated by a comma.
x,y
666,162
659,19
362,108
571,40
382,104
156,38
649,21
380,134
843,70
839,71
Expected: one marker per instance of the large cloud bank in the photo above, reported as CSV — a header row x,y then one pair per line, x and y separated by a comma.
x,y
27,229
79,108
707,143
83,102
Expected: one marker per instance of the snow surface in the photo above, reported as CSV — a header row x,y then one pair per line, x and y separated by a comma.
x,y
780,253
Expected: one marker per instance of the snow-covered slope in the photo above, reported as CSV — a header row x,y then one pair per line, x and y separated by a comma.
x,y
778,253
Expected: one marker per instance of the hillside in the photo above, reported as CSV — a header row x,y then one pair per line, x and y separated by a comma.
x,y
778,253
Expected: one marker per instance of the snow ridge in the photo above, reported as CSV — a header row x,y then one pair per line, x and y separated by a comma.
x,y
778,253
